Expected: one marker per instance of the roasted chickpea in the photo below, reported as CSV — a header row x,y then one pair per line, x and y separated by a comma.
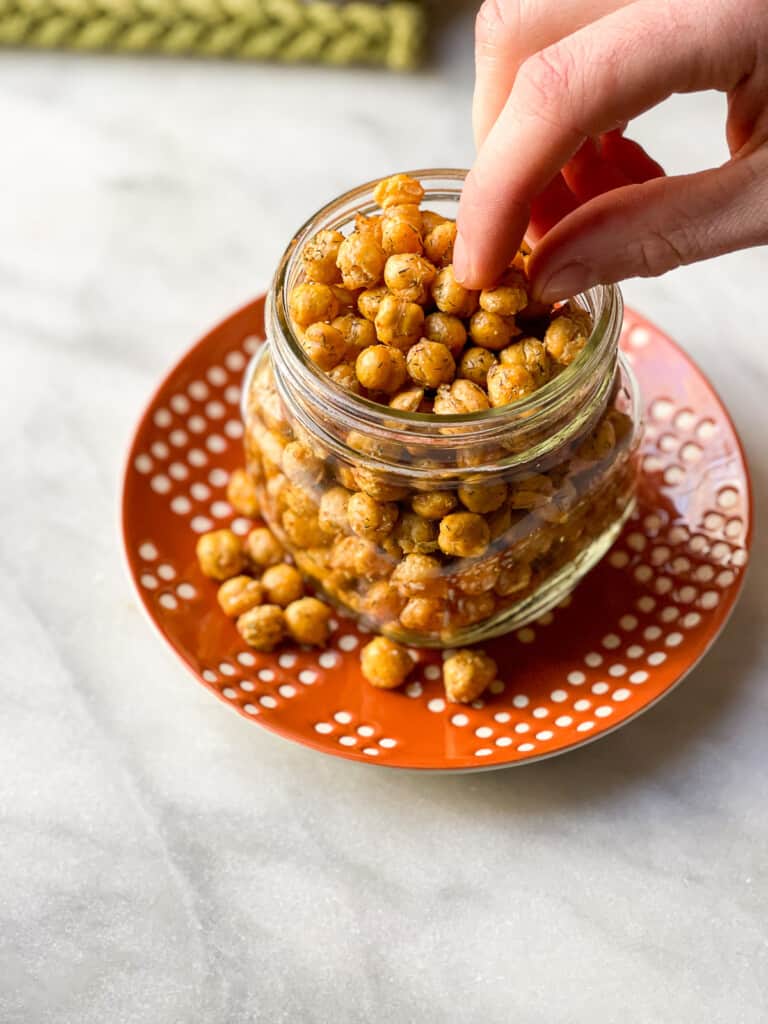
x,y
357,332
383,603
434,504
451,297
357,558
333,516
430,364
361,260
566,336
472,608
530,492
622,424
467,674
346,298
369,518
448,330
489,330
479,577
301,466
409,276
262,627
396,190
370,226
298,500
508,297
439,242
308,621
377,485
415,534
381,368
310,303
430,220
319,257
400,236
303,531
385,664
509,384
474,365
344,375
406,213
239,594
419,575
424,614
409,400
531,354
399,323
483,496
599,443
220,554
241,494
324,345
464,534
368,301
283,584
512,579
460,397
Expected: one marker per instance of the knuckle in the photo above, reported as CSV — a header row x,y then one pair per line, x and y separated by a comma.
x,y
659,252
550,77
496,19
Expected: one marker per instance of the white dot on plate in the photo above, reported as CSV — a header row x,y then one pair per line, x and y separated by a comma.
x,y
525,747
266,675
180,404
520,700
347,741
611,641
652,632
215,443
162,418
168,601
233,428
582,705
209,676
618,559
728,497
600,688
221,509
497,686
247,685
201,523
246,658
148,581
585,726
691,619
526,636
674,475
348,642
669,614
159,450
663,585
504,741
178,438
218,477
414,689
371,751
577,678
483,752
662,409
286,690
200,491
593,659
685,419
344,717
698,544
638,677
739,557
432,672
323,727
687,594
234,360
636,541
216,375
621,695
545,734
646,604
660,555
546,619
540,712
502,716
251,709
713,521
674,640
635,651
483,732
328,659
178,471
603,711
181,505
267,701
215,410
240,526
558,696
365,730
522,727
229,693
459,720
387,742
286,660
198,390
564,721
643,573
226,669
656,658
725,578
628,622
307,676
617,670
195,457
706,429
232,395
160,483
148,551
197,424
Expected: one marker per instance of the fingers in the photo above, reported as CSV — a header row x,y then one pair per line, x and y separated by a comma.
x,y
509,31
587,84
645,230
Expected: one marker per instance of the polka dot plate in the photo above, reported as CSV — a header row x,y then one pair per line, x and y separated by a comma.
x,y
631,630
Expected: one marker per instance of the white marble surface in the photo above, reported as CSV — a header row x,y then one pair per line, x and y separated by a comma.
x,y
163,861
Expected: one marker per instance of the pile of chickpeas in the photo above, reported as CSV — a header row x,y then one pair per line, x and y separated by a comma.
x,y
381,312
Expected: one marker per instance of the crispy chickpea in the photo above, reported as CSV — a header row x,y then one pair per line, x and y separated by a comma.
x,y
283,584
500,521
430,219
241,494
301,466
409,400
357,332
419,575
369,518
333,516
509,384
483,496
385,664
451,297
262,627
406,213
622,424
361,260
438,243
479,577
303,531
424,614
464,534
358,558
344,375
448,330
460,397
377,485
430,364
220,554
467,674
381,368
398,322
368,301
346,298
530,492
489,330
474,365
434,504
310,303
319,257
262,548
472,608
409,276
599,443
513,578
370,226
298,500
239,594
324,345
508,297
566,336
559,507
531,354
415,534
396,190
308,621
382,602
401,230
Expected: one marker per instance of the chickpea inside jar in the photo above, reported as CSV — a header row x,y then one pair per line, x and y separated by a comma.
x,y
445,464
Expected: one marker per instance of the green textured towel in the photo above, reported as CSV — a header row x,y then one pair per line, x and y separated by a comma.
x,y
389,34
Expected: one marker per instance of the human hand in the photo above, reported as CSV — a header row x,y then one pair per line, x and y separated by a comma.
x,y
557,82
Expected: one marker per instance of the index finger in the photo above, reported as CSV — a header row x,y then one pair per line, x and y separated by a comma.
x,y
584,85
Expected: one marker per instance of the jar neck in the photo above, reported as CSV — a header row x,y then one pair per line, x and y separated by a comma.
x,y
532,429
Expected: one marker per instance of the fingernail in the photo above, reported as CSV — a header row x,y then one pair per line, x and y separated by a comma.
x,y
564,283
460,259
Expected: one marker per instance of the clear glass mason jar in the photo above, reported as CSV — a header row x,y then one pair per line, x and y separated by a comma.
x,y
551,475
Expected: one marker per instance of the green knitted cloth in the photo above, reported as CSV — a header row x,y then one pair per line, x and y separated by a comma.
x,y
389,34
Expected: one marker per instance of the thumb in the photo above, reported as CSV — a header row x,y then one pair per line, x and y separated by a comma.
x,y
647,229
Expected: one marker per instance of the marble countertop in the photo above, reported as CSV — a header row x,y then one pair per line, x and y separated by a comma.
x,y
163,861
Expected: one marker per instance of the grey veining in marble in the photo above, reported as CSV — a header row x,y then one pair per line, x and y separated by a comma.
x,y
164,862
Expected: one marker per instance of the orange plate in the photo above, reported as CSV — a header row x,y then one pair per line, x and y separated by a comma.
x,y
629,633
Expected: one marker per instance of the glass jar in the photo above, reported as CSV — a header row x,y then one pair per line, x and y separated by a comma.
x,y
544,485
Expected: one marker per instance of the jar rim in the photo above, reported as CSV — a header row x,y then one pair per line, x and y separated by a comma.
x,y
604,301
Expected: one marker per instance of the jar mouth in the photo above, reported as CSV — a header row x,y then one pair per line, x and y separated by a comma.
x,y
595,361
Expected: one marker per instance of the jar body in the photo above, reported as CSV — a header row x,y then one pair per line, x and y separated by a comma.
x,y
443,531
